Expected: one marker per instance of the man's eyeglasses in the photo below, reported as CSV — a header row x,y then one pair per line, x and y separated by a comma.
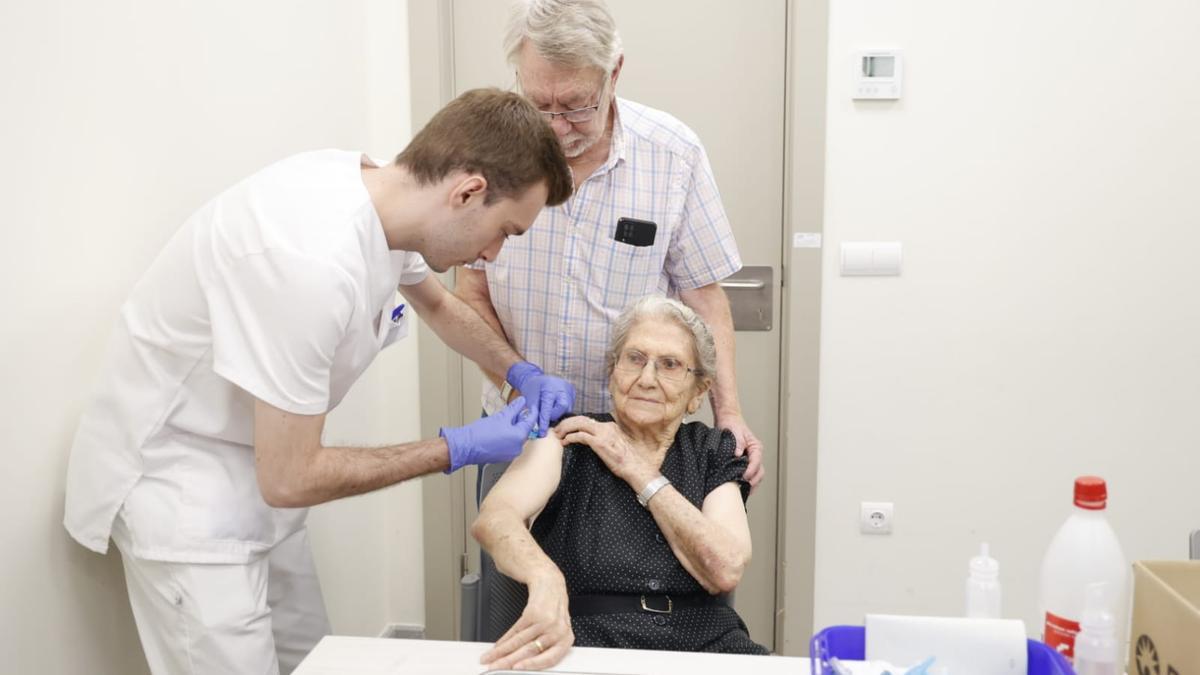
x,y
665,367
576,116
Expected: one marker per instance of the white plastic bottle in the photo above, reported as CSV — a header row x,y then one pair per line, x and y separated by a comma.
x,y
983,586
1096,648
1085,551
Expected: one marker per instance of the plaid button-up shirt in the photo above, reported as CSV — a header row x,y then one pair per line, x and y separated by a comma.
x,y
558,288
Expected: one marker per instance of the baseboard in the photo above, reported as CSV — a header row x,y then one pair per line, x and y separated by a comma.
x,y
405,631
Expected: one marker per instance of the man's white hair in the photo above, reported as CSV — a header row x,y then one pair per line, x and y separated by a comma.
x,y
572,33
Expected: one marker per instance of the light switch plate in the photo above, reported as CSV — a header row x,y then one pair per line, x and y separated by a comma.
x,y
871,258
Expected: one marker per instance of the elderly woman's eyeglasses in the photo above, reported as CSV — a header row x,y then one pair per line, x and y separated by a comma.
x,y
665,367
576,116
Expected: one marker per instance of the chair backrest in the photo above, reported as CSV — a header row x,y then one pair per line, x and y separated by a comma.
x,y
499,600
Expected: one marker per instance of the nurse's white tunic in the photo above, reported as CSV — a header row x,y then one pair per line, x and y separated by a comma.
x,y
282,288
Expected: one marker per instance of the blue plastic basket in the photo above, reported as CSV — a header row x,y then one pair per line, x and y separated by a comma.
x,y
850,643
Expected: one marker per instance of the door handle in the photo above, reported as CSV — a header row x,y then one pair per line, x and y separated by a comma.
x,y
751,303
747,284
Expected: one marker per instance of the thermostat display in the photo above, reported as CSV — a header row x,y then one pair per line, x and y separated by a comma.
x,y
878,74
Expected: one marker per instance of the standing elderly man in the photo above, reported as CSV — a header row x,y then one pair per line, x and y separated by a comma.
x,y
645,218
203,443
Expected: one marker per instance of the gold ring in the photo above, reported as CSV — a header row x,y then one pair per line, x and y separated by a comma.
x,y
537,644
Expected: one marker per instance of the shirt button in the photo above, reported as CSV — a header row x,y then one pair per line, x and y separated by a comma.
x,y
660,620
658,537
653,584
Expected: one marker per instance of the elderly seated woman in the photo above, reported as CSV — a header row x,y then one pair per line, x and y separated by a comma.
x,y
638,519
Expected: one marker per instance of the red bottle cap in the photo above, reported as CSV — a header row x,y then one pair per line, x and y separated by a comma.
x,y
1091,493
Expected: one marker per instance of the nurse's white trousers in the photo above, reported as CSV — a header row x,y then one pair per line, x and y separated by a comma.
x,y
259,617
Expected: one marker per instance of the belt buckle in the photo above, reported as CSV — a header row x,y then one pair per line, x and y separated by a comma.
x,y
657,611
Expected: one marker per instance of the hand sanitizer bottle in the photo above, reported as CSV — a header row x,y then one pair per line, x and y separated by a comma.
x,y
1096,648
983,586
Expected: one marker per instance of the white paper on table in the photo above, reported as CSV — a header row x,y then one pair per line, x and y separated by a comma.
x,y
881,667
958,645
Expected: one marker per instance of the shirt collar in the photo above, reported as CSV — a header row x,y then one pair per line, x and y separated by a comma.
x,y
616,147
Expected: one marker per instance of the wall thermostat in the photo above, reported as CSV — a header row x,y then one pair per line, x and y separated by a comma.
x,y
878,74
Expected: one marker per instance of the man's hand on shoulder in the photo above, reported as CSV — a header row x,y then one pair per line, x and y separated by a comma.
x,y
748,444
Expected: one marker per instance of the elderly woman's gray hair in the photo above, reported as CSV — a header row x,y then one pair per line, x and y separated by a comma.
x,y
658,307
573,33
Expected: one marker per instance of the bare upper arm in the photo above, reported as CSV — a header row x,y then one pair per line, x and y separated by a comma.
x,y
283,442
277,430
471,285
425,295
724,507
702,298
530,481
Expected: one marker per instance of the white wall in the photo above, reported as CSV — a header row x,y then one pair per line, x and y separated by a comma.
x,y
369,549
117,120
1041,171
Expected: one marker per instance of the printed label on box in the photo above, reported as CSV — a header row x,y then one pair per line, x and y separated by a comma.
x,y
1060,635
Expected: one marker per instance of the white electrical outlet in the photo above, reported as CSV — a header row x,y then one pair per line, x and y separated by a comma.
x,y
876,517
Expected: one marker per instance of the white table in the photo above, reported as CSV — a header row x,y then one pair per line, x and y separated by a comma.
x,y
336,655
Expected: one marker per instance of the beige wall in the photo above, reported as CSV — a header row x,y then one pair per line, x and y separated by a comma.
x,y
1041,171
118,119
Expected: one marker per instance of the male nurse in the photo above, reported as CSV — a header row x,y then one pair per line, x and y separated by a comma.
x,y
202,446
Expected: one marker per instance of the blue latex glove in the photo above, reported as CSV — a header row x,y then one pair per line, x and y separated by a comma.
x,y
549,397
491,439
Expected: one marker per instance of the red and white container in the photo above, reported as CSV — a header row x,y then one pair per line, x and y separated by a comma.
x,y
1085,551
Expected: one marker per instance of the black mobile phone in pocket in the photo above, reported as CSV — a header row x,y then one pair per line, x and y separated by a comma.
x,y
635,232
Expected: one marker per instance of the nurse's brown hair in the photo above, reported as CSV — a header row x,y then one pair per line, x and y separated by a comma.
x,y
496,134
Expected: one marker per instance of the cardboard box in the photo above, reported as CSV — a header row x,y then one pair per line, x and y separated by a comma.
x,y
1165,639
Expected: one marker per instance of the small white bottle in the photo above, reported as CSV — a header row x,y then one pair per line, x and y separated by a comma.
x,y
1096,648
983,586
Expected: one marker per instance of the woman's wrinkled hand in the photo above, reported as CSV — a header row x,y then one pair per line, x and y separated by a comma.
x,y
542,636
612,446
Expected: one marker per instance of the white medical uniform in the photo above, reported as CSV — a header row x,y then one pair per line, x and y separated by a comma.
x,y
282,288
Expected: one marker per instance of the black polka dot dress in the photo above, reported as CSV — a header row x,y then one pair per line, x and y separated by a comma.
x,y
604,542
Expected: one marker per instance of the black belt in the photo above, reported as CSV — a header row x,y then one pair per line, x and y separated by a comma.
x,y
586,605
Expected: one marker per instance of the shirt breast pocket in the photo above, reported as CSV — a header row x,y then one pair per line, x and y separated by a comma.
x,y
634,271
397,328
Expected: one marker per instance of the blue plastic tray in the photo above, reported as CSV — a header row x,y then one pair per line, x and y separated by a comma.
x,y
850,643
